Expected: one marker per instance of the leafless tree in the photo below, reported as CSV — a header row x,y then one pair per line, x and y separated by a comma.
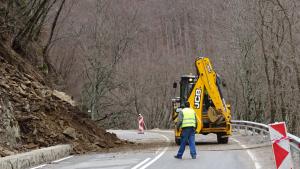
x,y
128,54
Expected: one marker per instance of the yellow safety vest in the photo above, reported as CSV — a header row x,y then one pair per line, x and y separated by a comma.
x,y
189,119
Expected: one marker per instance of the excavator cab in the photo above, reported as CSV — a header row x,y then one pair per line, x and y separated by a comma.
x,y
187,84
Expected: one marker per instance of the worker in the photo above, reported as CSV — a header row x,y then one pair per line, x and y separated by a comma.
x,y
187,120
141,124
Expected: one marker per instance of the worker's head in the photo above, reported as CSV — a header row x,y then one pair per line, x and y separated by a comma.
x,y
187,104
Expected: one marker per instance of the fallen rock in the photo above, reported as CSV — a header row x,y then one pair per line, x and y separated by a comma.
x,y
118,142
31,146
63,96
71,132
4,85
101,144
6,153
23,87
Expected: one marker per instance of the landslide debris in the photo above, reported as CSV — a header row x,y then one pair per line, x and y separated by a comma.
x,y
33,116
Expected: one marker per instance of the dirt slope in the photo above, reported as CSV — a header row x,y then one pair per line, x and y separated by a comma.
x,y
31,116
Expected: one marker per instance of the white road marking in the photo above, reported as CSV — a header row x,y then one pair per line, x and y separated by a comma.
x,y
62,159
251,155
167,139
40,166
159,155
236,140
156,158
56,161
141,163
257,165
157,151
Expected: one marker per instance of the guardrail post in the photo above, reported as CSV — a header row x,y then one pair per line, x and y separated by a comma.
x,y
238,128
261,133
266,136
253,132
263,136
246,131
256,132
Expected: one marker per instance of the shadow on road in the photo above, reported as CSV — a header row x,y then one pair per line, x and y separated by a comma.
x,y
206,143
199,143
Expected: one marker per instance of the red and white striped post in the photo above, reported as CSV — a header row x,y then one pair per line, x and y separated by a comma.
x,y
141,124
281,145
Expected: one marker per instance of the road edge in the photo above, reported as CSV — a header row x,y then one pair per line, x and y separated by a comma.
x,y
35,157
250,154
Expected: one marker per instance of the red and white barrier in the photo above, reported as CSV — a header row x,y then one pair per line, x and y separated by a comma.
x,y
141,124
281,146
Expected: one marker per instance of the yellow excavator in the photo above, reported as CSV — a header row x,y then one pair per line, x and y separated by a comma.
x,y
203,92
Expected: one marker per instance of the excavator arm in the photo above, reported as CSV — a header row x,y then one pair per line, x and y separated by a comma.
x,y
207,83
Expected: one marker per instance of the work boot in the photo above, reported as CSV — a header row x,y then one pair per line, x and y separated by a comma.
x,y
177,157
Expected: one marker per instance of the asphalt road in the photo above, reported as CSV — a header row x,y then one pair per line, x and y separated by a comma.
x,y
242,152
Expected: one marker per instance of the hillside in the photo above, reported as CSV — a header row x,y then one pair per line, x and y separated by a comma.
x,y
31,116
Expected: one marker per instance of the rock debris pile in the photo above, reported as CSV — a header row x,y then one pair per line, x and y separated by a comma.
x,y
32,116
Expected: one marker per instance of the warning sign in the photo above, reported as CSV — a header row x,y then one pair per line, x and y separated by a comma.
x,y
281,145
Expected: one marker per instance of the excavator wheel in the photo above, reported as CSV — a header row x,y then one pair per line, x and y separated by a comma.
x,y
222,138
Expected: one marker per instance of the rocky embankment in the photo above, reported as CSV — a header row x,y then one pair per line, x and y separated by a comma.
x,y
33,116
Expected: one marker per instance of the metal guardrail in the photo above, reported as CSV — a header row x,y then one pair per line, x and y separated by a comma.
x,y
263,129
294,141
259,128
255,127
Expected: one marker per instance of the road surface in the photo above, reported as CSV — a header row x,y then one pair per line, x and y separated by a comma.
x,y
242,152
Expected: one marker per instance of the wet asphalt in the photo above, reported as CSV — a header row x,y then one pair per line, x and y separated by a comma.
x,y
210,155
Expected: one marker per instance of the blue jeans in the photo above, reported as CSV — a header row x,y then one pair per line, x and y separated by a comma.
x,y
188,134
